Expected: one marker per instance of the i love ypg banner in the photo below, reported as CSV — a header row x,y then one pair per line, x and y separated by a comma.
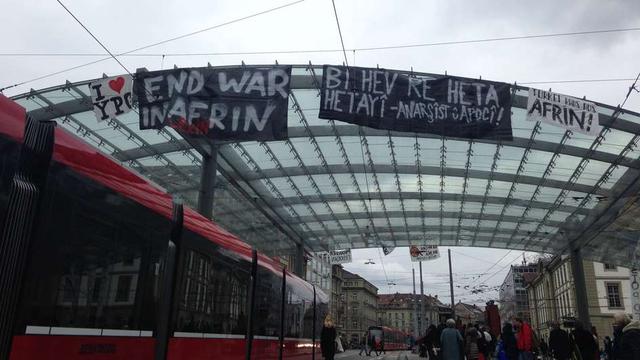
x,y
391,100
564,111
111,97
235,103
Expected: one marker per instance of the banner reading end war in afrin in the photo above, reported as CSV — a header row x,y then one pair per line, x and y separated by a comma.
x,y
391,100
564,111
239,103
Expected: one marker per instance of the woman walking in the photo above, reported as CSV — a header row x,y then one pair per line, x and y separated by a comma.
x,y
328,339
471,349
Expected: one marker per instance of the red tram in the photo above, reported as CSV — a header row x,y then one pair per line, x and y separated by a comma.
x,y
92,285
386,338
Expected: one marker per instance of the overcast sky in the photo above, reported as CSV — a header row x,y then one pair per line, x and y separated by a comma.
x,y
43,27
478,270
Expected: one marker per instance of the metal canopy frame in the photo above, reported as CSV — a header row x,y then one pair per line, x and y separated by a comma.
x,y
336,185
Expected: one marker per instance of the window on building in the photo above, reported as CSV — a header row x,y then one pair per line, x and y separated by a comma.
x,y
355,324
124,286
610,267
613,295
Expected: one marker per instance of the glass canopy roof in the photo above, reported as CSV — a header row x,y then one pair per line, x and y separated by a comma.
x,y
335,185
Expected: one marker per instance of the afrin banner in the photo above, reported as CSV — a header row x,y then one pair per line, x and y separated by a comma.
x,y
111,97
340,256
238,103
424,252
564,111
391,100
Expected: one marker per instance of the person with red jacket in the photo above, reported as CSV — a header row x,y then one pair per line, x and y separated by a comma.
x,y
524,339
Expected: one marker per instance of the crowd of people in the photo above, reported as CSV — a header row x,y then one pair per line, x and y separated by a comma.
x,y
518,341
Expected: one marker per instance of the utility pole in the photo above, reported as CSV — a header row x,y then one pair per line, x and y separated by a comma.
x,y
421,302
415,306
453,303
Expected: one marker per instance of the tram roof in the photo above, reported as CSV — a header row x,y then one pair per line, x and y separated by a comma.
x,y
336,185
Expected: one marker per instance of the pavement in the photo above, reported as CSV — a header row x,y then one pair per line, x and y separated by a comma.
x,y
390,355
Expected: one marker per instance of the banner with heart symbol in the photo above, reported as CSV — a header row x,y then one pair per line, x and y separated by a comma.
x,y
111,97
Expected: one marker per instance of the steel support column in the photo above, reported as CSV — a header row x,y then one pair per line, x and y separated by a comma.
x,y
298,261
421,324
207,183
582,303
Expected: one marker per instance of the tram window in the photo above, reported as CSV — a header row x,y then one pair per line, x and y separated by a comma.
x,y
78,276
294,310
213,295
268,300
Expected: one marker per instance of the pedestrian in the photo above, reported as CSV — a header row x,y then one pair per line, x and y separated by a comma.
x,y
363,345
524,339
509,343
328,339
620,320
471,349
585,342
630,345
430,341
608,348
559,342
375,344
451,342
491,342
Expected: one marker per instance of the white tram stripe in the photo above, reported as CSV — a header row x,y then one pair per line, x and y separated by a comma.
x,y
60,330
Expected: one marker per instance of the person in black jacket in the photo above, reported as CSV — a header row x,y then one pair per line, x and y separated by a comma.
x,y
509,342
559,342
585,342
630,346
431,341
620,320
328,339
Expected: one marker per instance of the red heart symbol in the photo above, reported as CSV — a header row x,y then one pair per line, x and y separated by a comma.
x,y
117,84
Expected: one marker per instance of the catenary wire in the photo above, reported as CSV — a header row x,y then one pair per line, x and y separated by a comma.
x,y
275,52
154,44
344,52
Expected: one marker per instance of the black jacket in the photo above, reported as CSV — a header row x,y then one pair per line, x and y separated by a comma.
x,y
630,344
586,344
559,344
328,341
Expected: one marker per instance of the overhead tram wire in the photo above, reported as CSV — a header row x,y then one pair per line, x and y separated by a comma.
x,y
344,52
94,37
276,52
154,44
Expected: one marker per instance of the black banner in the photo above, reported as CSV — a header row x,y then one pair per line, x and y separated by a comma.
x,y
239,103
390,100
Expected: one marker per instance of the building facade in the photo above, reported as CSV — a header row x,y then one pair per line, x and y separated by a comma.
x,y
514,302
469,314
552,294
360,304
401,311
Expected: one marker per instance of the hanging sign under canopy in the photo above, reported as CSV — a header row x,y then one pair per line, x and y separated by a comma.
x,y
234,103
564,111
340,256
392,100
424,252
